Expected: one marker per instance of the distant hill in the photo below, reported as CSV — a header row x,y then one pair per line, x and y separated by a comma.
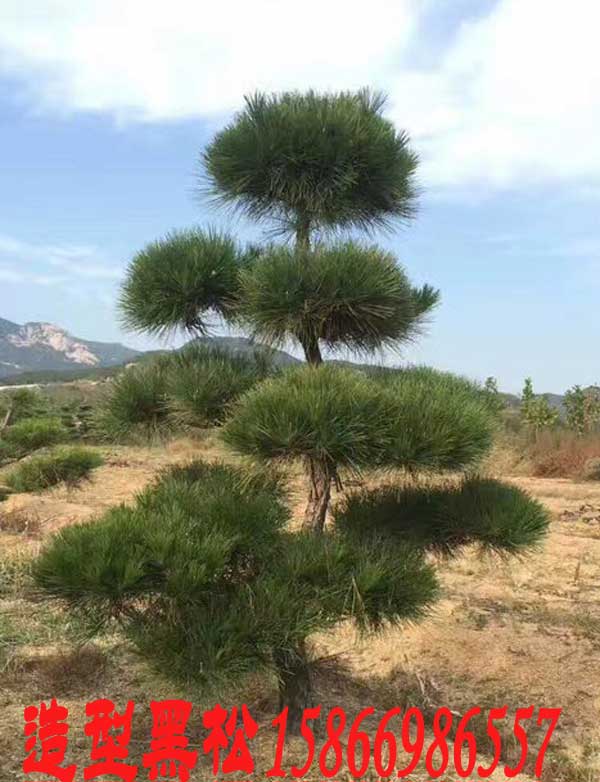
x,y
76,359
42,376
35,347
243,346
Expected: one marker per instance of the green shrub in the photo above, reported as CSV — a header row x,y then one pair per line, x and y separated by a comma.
x,y
209,585
440,421
26,403
346,295
194,387
135,404
331,417
7,452
333,159
496,515
171,279
330,413
31,433
63,465
204,381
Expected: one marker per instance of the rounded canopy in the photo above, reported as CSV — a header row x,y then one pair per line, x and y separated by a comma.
x,y
344,295
314,160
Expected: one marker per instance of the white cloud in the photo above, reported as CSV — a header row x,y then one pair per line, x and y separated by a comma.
x,y
73,261
12,275
154,60
516,98
513,98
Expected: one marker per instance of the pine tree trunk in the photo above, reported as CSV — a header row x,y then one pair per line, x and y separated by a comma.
x,y
295,687
312,351
318,498
303,233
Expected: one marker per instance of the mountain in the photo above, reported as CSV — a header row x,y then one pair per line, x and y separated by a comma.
x,y
44,346
243,346
44,353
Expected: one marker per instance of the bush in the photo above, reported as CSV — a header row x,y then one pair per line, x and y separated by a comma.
x,y
136,404
496,515
333,158
591,469
24,403
31,433
419,419
8,452
208,584
172,280
193,387
329,413
346,295
63,465
203,382
440,421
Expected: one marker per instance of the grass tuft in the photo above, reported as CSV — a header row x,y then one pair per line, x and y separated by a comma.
x,y
135,405
203,382
32,433
63,465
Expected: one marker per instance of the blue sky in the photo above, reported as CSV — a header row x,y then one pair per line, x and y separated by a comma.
x,y
105,108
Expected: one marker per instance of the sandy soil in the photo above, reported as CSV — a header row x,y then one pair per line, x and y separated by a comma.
x,y
518,633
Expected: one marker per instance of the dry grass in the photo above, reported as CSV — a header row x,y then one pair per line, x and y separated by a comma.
x,y
18,522
549,454
516,633
562,454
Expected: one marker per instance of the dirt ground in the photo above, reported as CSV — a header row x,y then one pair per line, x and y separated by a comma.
x,y
515,633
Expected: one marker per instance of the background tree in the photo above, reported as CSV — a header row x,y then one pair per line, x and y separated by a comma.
x,y
575,409
592,408
186,389
582,409
492,393
491,385
527,395
536,411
